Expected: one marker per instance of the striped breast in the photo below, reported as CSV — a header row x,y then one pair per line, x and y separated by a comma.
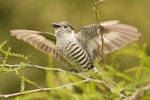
x,y
75,53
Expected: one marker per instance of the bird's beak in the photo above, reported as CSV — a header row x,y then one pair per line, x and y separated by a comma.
x,y
55,25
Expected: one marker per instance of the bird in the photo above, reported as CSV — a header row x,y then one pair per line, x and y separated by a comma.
x,y
79,50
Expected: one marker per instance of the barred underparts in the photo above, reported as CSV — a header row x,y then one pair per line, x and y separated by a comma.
x,y
80,50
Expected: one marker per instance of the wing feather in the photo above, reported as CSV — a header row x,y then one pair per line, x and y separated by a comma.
x,y
37,40
115,35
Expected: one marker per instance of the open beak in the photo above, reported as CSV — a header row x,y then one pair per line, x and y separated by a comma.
x,y
55,25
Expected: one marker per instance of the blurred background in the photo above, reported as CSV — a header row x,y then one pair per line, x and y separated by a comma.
x,y
39,14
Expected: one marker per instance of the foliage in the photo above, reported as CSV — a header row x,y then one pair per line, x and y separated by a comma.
x,y
74,87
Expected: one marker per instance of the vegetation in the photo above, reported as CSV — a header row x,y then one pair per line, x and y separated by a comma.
x,y
109,83
123,77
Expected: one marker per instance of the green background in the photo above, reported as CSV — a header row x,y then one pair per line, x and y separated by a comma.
x,y
39,14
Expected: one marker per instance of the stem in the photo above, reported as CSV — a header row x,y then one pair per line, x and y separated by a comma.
x,y
97,18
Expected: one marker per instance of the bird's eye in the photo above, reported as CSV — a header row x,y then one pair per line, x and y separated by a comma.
x,y
65,26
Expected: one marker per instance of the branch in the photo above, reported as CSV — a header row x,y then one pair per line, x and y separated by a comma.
x,y
64,71
41,89
138,93
61,70
56,69
80,76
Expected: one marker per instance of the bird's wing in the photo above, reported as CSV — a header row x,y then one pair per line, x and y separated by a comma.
x,y
36,39
115,36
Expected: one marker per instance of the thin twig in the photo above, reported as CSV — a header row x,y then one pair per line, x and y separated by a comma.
x,y
61,70
138,93
41,89
97,18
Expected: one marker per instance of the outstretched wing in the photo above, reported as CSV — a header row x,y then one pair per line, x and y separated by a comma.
x,y
40,42
115,36
35,39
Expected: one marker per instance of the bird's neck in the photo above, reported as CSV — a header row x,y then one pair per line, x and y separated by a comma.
x,y
64,35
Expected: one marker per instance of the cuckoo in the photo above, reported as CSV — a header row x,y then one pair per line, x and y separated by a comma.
x,y
79,50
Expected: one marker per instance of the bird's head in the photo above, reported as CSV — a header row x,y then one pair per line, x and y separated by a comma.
x,y
62,27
